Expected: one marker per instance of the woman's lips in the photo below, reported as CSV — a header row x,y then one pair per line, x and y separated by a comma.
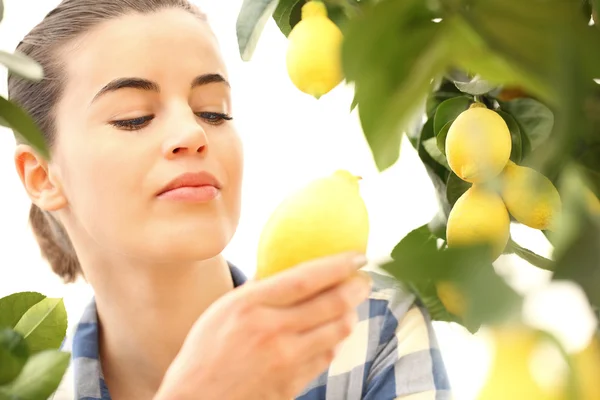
x,y
195,194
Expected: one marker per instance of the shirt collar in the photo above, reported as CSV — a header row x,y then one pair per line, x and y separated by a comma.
x,y
89,380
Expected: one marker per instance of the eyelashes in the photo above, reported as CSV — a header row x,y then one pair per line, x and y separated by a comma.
x,y
135,124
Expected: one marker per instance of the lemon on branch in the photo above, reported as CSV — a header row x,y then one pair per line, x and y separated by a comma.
x,y
314,61
479,217
478,144
529,196
326,217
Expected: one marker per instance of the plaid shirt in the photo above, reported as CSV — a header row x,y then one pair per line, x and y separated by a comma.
x,y
391,354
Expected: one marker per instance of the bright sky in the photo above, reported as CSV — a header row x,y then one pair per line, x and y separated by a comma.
x,y
290,138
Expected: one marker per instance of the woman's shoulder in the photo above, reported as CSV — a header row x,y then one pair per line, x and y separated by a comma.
x,y
391,352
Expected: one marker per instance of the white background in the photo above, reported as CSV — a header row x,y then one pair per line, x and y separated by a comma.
x,y
291,138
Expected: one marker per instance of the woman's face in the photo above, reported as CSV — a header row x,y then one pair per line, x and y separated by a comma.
x,y
146,101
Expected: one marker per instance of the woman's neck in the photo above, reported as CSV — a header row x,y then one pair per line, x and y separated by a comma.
x,y
145,315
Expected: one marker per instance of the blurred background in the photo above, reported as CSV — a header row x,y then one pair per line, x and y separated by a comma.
x,y
290,138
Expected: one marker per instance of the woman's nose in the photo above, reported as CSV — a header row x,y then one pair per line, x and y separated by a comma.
x,y
189,138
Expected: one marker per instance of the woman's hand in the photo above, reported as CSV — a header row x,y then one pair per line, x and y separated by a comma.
x,y
267,339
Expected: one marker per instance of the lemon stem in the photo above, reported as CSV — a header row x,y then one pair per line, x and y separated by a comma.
x,y
477,104
314,8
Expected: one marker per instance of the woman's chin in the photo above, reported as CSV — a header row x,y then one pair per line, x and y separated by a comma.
x,y
190,245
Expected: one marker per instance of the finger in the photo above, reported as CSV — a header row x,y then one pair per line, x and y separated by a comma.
x,y
326,337
330,305
304,281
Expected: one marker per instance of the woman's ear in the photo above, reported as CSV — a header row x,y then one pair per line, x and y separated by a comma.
x,y
43,187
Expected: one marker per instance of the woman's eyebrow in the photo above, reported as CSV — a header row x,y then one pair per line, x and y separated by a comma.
x,y
131,83
148,85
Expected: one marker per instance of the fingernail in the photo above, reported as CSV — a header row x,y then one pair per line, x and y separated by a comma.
x,y
360,260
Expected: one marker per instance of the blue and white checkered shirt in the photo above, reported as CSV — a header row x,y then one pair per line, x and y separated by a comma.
x,y
391,354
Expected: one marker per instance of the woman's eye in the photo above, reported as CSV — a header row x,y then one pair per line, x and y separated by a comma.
x,y
214,118
133,124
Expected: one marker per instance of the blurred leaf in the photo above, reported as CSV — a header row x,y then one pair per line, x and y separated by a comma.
x,y
14,306
23,126
426,292
529,256
577,238
251,22
392,78
534,119
283,14
455,187
515,134
40,377
441,137
526,48
430,145
44,325
476,86
13,355
437,225
437,168
448,111
1,10
22,65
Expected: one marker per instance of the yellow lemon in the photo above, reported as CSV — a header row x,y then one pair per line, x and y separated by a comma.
x,y
530,197
523,367
326,217
313,58
478,144
592,202
586,367
451,298
479,217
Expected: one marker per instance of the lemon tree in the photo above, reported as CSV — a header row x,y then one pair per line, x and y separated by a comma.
x,y
501,101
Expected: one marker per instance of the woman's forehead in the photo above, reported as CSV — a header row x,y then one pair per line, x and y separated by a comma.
x,y
165,46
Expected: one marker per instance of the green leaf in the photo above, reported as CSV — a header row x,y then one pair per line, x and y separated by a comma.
x,y
430,145
455,187
426,291
529,256
534,119
41,376
23,126
437,225
284,12
14,306
1,10
441,137
251,22
488,297
476,86
44,325
13,355
22,65
392,78
515,133
448,111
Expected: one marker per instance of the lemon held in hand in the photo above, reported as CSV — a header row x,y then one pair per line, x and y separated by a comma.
x,y
479,217
313,59
529,196
326,217
478,144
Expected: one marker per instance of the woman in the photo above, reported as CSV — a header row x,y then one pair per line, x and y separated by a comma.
x,y
141,196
